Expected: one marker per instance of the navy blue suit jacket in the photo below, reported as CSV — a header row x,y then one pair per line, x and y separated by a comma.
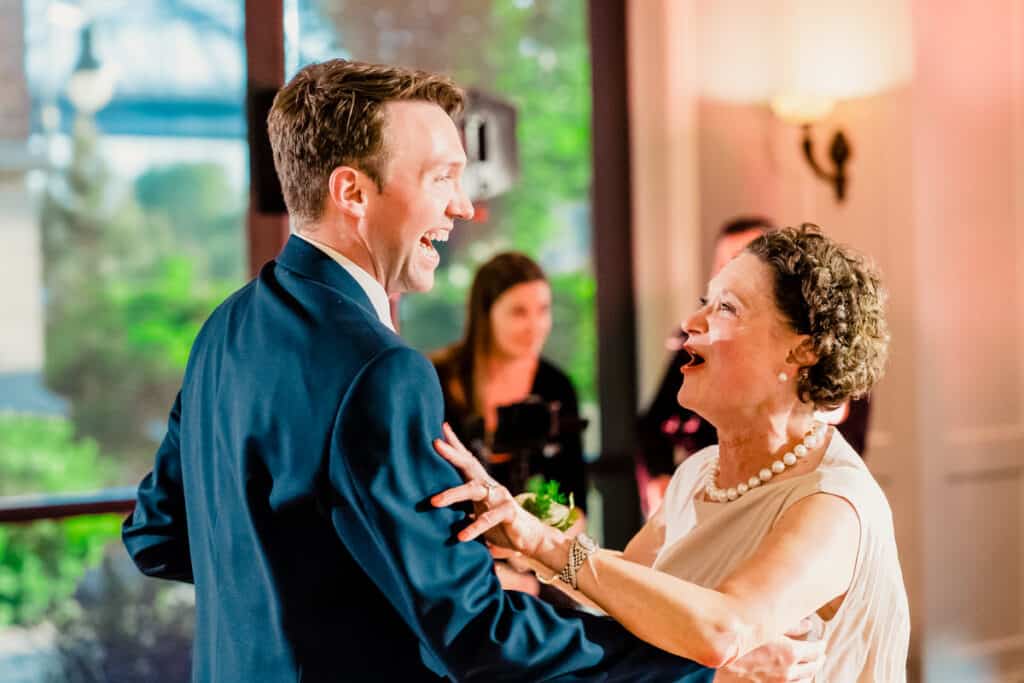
x,y
292,488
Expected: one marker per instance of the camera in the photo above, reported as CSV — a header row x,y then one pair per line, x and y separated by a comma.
x,y
533,425
526,434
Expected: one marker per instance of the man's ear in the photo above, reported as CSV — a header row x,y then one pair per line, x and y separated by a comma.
x,y
803,353
346,190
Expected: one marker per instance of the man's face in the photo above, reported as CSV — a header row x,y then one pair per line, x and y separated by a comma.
x,y
422,195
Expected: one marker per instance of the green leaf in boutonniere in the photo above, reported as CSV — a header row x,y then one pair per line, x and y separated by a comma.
x,y
546,502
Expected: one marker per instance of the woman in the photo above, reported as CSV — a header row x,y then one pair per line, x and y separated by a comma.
x,y
781,519
498,363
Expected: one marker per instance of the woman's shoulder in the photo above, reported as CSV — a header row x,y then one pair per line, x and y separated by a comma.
x,y
443,359
446,364
547,368
699,461
552,379
693,470
843,473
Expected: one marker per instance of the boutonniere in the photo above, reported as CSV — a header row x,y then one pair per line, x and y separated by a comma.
x,y
546,502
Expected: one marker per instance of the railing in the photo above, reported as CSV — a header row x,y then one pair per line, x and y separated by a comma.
x,y
55,506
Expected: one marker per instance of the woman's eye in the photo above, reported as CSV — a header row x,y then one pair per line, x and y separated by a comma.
x,y
703,301
727,307
443,178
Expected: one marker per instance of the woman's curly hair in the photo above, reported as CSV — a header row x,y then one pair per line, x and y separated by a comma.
x,y
827,291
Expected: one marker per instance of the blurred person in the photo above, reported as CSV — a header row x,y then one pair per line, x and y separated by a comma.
x,y
781,519
291,485
667,432
499,363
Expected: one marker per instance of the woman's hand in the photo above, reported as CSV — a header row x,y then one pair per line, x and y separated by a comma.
x,y
512,579
501,520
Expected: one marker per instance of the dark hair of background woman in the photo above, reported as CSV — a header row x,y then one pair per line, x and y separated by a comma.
x,y
494,278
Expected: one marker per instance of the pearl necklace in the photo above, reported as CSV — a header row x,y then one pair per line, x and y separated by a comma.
x,y
814,436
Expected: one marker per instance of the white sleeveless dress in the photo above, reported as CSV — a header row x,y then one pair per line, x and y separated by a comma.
x,y
704,542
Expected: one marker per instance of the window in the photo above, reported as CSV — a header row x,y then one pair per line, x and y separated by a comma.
x,y
128,193
534,54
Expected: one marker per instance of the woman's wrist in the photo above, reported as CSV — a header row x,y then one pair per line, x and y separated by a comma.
x,y
553,550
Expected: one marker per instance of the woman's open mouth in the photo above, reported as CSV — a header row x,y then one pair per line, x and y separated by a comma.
x,y
695,360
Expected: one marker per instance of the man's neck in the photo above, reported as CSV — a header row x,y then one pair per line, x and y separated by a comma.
x,y
345,241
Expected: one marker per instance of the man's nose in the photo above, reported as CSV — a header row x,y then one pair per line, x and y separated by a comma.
x,y
461,206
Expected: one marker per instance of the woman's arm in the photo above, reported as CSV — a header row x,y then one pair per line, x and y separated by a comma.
x,y
644,546
803,564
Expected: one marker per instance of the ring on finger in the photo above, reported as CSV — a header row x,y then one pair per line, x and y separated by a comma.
x,y
490,486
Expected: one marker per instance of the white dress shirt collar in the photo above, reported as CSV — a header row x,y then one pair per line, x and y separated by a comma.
x,y
374,290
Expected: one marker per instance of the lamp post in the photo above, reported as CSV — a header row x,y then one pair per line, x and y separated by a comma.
x,y
91,85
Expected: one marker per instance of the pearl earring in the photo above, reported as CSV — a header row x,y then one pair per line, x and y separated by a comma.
x,y
783,377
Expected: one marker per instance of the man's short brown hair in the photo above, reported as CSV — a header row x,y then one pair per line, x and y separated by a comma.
x,y
332,114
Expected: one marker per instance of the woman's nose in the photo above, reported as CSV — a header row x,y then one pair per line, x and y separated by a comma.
x,y
696,323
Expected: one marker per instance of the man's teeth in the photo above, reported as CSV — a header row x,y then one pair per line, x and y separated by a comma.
x,y
437,236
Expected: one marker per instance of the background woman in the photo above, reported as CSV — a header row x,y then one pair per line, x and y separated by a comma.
x,y
499,363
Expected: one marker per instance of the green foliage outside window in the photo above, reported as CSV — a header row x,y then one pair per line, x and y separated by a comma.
x,y
41,562
132,272
130,279
536,55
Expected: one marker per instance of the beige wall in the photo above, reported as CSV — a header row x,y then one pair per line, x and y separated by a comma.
x,y
937,198
663,147
21,305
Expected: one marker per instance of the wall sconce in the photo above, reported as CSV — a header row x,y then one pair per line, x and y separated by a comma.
x,y
802,57
805,112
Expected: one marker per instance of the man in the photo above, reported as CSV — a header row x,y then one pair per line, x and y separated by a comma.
x,y
292,486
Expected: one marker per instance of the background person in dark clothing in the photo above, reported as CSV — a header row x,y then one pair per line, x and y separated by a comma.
x,y
498,363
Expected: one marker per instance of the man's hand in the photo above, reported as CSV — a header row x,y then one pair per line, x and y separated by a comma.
x,y
790,659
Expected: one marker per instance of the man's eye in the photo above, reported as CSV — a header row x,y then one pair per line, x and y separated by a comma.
x,y
443,178
703,301
725,306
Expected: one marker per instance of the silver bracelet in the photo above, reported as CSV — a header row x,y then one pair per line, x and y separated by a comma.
x,y
582,548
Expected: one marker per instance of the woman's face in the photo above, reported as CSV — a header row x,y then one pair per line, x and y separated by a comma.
x,y
521,320
741,343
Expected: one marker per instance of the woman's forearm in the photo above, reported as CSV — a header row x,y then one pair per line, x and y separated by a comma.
x,y
669,613
806,562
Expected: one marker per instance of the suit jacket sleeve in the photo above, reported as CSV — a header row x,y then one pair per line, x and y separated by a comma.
x,y
156,535
382,470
